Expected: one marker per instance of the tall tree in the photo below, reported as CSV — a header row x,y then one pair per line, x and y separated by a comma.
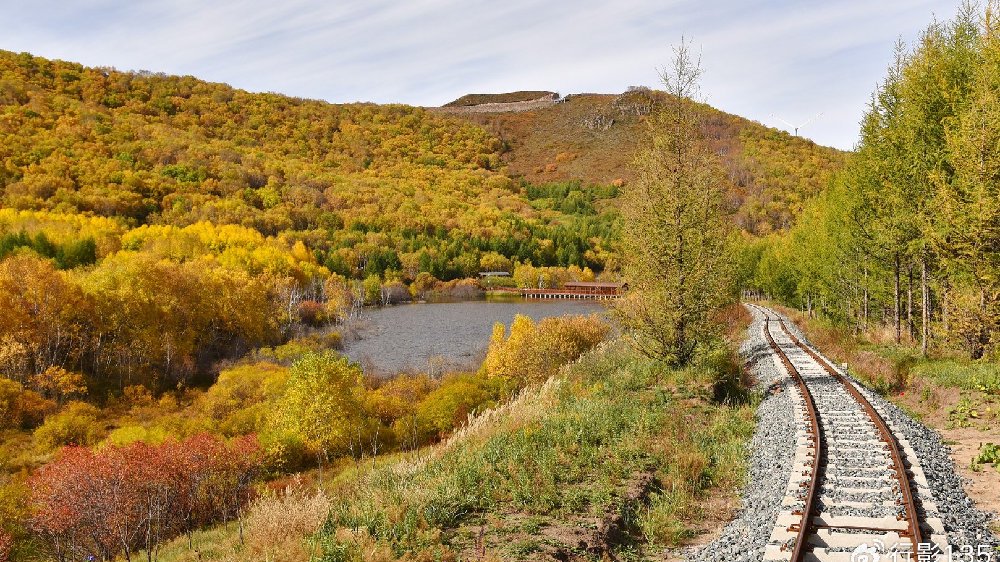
x,y
674,236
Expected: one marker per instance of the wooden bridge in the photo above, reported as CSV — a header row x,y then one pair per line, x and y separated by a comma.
x,y
574,290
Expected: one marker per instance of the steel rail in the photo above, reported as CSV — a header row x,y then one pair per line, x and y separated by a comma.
x,y
909,505
805,526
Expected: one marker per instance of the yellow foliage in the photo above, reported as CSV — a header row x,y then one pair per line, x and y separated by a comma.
x,y
533,352
242,398
76,424
20,407
398,397
135,433
529,276
450,405
322,404
59,383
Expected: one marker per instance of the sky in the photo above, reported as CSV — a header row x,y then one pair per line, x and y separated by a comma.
x,y
771,61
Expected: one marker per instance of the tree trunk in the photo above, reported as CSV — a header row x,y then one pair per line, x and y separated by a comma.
x,y
866,299
896,301
925,309
945,320
909,303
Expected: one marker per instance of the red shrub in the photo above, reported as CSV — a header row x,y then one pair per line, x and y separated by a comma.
x,y
119,499
312,313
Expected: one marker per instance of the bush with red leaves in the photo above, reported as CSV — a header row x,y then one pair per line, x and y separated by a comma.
x,y
118,500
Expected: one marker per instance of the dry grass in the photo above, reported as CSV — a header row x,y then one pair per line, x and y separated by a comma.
x,y
276,523
735,319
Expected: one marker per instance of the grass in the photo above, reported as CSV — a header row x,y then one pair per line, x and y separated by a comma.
x,y
946,390
564,452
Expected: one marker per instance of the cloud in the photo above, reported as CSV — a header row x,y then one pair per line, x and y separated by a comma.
x,y
790,58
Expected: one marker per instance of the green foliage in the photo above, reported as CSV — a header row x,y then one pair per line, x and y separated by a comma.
x,y
905,236
569,450
963,413
242,398
72,254
322,404
367,188
451,404
989,453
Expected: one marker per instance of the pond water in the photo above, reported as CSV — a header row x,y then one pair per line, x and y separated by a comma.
x,y
435,337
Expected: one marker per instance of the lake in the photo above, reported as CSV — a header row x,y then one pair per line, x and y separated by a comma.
x,y
435,337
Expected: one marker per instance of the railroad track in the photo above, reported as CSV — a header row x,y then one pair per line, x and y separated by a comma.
x,y
856,492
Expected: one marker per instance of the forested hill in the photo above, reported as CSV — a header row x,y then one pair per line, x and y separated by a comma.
x,y
592,137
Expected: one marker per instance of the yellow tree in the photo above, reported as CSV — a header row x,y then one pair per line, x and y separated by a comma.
x,y
323,404
58,383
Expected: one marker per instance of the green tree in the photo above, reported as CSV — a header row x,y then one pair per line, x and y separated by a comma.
x,y
967,233
674,236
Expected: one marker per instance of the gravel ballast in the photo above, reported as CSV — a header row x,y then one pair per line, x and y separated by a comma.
x,y
773,445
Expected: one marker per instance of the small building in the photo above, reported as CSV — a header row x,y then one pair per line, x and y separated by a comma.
x,y
485,274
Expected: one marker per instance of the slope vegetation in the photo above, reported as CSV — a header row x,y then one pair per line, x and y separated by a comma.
x,y
592,137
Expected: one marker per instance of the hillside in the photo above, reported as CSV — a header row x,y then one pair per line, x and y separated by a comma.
x,y
111,181
591,138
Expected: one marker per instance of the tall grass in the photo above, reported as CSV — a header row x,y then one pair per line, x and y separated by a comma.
x,y
557,454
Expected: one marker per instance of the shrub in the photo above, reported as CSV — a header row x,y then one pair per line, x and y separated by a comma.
x,y
398,397
76,424
58,383
6,546
395,293
450,405
134,434
81,499
423,284
242,397
21,408
372,288
533,353
312,313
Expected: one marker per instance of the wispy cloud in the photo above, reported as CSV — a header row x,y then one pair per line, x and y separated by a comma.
x,y
784,57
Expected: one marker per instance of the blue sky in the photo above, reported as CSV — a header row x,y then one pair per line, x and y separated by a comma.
x,y
790,59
